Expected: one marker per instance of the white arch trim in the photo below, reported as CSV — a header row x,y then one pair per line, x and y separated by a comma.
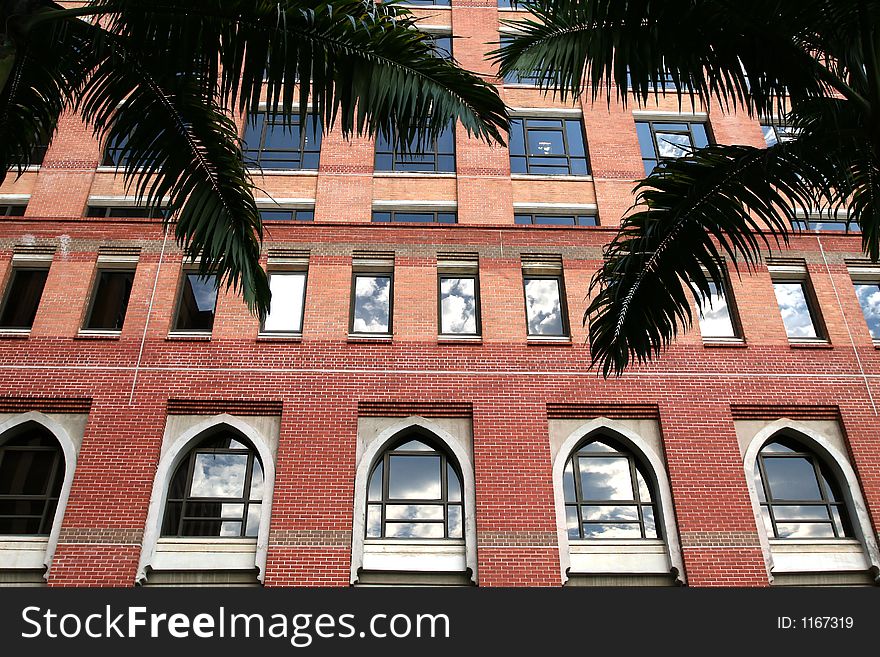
x,y
379,445
176,452
841,468
69,450
661,481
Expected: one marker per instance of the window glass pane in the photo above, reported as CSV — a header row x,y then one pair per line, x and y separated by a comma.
x,y
288,291
609,512
672,145
458,305
715,321
25,472
801,512
414,477
543,306
374,494
517,144
546,142
701,139
605,478
759,485
23,297
568,482
597,446
777,447
869,300
644,491
622,530
414,530
413,446
575,138
171,521
650,523
256,481
805,530
572,522
795,310
455,524
110,300
413,512
792,478
768,523
838,521
453,485
372,304
646,140
374,521
769,135
197,302
219,475
253,520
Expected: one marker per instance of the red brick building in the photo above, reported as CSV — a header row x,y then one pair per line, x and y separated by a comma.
x,y
150,435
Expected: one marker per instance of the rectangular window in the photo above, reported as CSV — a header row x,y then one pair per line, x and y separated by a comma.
x,y
553,146
775,133
124,212
459,296
12,210
23,297
196,304
272,143
288,302
437,156
717,315
587,219
371,303
545,306
838,221
666,140
435,3
508,4
442,45
287,215
414,217
110,300
531,78
666,82
868,294
799,309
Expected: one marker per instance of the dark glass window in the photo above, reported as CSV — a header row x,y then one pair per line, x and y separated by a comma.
x,y
798,309
437,156
288,302
548,146
371,303
12,210
519,77
442,45
545,307
125,212
31,477
459,304
435,3
110,300
402,216
271,144
775,133
556,219
869,299
799,496
508,4
667,82
607,494
823,224
23,297
661,140
217,490
415,492
198,299
287,215
114,153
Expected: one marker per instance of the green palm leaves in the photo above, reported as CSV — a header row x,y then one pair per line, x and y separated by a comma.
x,y
813,63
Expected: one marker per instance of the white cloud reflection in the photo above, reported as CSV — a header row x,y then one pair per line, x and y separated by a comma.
x,y
715,319
287,302
869,299
372,304
219,475
458,307
794,309
543,306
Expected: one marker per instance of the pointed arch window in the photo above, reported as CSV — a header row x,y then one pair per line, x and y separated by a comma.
x,y
607,495
216,490
31,479
799,496
415,492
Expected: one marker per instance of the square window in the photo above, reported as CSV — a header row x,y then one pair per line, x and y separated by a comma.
x,y
23,297
459,305
417,155
110,300
545,307
272,143
548,146
798,309
197,302
371,303
288,302
775,133
662,140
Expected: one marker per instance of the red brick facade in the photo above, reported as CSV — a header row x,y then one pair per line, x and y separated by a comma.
x,y
505,381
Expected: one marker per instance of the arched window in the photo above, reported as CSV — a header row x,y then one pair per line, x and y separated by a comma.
x,y
31,478
607,494
799,497
217,490
414,492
